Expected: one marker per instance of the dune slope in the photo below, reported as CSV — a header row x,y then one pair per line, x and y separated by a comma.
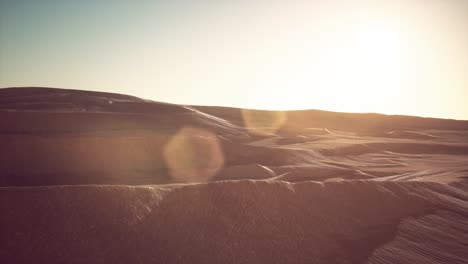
x,y
235,222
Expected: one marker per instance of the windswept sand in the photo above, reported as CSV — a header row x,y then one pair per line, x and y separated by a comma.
x,y
92,177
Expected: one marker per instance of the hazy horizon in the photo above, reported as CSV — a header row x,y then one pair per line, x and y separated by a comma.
x,y
391,57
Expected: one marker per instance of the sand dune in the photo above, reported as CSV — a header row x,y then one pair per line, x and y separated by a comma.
x,y
90,177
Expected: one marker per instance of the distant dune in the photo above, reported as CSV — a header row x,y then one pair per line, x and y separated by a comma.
x,y
92,177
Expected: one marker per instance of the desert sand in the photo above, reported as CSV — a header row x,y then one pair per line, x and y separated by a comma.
x,y
91,177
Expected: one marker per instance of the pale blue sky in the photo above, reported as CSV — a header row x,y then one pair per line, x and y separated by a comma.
x,y
395,57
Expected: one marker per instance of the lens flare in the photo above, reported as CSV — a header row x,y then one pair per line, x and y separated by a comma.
x,y
193,155
260,122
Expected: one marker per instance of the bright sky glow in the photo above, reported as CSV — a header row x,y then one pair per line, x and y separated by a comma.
x,y
395,57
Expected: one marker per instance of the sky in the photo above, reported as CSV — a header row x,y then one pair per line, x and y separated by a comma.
x,y
394,57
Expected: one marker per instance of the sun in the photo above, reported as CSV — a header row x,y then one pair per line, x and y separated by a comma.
x,y
376,45
356,69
